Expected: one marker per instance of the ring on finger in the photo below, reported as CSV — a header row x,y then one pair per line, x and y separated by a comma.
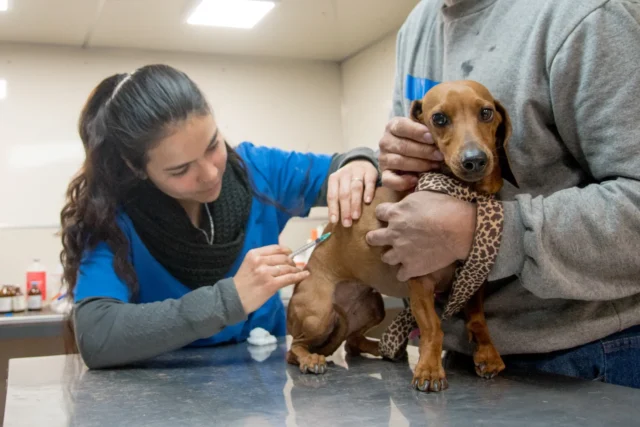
x,y
357,179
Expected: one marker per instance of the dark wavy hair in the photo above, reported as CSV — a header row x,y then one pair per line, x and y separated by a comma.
x,y
124,117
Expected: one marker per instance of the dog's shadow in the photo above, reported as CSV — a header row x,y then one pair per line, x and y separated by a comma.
x,y
366,389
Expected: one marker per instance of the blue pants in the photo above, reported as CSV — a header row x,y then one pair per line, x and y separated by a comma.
x,y
614,359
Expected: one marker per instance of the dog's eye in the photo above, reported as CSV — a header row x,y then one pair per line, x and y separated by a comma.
x,y
439,119
486,114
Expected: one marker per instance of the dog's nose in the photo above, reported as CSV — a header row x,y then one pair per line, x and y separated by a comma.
x,y
473,159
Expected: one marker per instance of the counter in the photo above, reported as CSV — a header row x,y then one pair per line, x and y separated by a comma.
x,y
28,334
238,385
44,315
30,323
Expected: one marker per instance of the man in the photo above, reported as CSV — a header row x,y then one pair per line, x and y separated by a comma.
x,y
564,293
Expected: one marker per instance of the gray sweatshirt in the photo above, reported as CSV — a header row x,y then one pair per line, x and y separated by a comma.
x,y
110,332
568,73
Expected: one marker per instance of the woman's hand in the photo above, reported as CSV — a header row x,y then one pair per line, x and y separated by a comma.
x,y
426,231
263,272
406,148
347,188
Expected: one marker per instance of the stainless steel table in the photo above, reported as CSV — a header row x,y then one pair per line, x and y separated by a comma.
x,y
27,334
239,385
30,324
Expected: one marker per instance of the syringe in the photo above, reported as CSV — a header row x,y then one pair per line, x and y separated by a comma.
x,y
300,250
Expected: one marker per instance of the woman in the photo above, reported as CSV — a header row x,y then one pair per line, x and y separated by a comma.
x,y
169,235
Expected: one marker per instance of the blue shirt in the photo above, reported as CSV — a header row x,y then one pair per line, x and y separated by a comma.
x,y
292,179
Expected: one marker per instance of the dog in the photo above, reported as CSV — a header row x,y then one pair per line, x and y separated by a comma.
x,y
342,297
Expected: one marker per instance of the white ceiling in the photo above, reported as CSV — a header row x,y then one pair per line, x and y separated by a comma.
x,y
310,29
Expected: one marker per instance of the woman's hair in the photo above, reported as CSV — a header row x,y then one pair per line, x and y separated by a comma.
x,y
125,116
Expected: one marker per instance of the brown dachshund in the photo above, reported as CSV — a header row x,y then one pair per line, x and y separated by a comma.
x,y
341,299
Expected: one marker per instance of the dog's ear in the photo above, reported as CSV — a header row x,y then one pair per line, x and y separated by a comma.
x,y
503,133
415,112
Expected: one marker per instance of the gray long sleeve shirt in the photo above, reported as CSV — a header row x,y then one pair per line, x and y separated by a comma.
x,y
568,73
110,332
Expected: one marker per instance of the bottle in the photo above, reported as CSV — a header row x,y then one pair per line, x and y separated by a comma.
x,y
37,273
5,300
19,300
34,298
12,295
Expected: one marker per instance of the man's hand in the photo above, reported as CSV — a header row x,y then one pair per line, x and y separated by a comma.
x,y
406,148
426,232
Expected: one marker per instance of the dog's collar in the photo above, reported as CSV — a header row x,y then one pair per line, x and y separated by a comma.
x,y
471,274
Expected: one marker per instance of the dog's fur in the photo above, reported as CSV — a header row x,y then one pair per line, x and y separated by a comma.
x,y
341,299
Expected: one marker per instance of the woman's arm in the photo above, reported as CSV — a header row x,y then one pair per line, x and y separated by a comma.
x,y
299,181
110,332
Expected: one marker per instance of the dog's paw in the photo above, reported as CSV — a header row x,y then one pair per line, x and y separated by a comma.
x,y
313,364
488,361
429,379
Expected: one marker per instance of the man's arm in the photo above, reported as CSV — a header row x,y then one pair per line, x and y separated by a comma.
x,y
584,243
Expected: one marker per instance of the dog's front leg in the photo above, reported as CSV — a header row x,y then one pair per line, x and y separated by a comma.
x,y
486,358
429,374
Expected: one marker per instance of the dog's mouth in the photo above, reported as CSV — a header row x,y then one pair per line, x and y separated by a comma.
x,y
472,173
460,174
471,176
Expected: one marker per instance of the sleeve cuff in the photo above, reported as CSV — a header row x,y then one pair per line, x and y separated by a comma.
x,y
360,153
363,153
510,259
338,161
230,299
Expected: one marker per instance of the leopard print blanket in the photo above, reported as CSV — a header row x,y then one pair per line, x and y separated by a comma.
x,y
470,275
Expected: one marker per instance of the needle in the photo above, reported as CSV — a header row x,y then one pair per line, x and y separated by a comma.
x,y
300,250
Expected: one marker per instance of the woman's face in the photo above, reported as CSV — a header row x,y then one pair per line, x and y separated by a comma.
x,y
188,164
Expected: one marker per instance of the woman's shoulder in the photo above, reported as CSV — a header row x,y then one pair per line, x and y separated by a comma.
x,y
268,160
258,155
125,224
262,162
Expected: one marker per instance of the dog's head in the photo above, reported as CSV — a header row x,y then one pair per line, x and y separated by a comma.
x,y
471,129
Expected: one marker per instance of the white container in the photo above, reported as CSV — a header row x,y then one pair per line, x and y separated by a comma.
x,y
54,283
19,303
34,300
6,301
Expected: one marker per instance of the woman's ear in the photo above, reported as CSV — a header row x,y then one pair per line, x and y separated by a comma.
x,y
137,172
503,134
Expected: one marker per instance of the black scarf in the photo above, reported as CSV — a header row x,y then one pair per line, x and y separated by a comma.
x,y
167,231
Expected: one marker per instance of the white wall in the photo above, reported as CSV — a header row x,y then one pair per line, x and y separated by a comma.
x,y
289,104
318,106
367,86
293,105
